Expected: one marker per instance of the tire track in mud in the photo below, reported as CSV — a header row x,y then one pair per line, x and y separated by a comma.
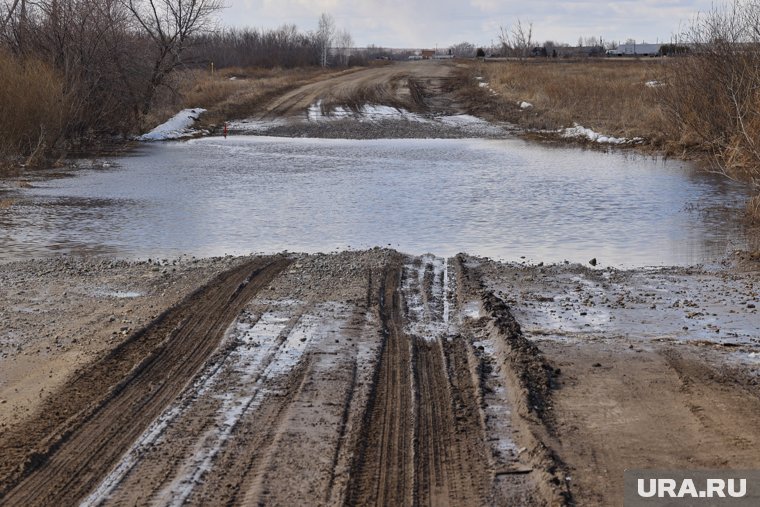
x,y
450,460
415,86
160,360
383,472
422,442
187,440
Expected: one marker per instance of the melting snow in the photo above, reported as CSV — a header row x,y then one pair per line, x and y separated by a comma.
x,y
426,320
370,112
525,105
579,132
178,126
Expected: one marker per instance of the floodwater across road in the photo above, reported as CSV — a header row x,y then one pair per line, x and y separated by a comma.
x,y
506,199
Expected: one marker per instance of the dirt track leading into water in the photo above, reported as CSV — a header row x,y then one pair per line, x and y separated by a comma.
x,y
364,378
350,379
412,85
368,378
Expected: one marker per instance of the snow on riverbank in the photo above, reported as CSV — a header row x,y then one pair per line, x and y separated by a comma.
x,y
176,127
579,132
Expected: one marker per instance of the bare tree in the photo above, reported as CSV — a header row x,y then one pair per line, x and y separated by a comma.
x,y
6,16
517,40
344,41
463,50
324,37
170,25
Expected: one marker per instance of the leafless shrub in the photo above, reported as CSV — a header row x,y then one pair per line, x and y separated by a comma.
x,y
517,40
33,107
284,47
107,60
712,95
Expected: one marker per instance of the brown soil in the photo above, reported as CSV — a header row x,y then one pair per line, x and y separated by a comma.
x,y
414,85
356,392
664,409
360,378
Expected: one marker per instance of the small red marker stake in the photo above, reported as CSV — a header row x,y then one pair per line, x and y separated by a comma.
x,y
225,130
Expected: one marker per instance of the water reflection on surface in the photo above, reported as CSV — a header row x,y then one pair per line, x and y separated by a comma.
x,y
500,198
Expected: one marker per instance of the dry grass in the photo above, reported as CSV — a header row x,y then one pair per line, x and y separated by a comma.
x,y
609,96
753,209
6,203
33,108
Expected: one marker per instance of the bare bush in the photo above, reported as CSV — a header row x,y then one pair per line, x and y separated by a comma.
x,y
102,61
285,47
170,25
463,50
33,107
517,40
712,95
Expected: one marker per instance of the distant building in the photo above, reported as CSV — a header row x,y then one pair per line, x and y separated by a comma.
x,y
636,49
577,51
427,54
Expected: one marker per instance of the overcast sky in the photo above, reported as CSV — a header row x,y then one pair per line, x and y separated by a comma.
x,y
424,23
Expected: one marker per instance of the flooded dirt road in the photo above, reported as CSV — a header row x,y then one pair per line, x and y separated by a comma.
x,y
360,378
371,377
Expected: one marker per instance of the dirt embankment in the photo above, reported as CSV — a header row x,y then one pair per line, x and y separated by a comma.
x,y
367,378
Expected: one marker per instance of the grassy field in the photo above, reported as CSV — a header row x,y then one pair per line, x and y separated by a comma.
x,y
608,96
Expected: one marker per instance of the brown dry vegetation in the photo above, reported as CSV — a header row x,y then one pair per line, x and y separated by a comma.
x,y
609,96
33,107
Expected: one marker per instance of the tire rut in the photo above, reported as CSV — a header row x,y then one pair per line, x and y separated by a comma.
x,y
159,362
383,471
422,441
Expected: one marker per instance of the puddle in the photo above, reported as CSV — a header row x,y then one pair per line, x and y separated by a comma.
x,y
505,199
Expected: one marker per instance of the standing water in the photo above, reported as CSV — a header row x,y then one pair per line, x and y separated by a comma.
x,y
501,198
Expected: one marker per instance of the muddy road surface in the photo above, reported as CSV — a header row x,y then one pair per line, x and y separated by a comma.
x,y
420,99
353,379
414,86
361,378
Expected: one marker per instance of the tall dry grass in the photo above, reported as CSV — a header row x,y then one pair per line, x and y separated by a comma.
x,y
609,96
33,108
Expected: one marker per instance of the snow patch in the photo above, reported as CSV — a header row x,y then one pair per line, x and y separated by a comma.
x,y
255,126
579,132
369,112
429,319
525,105
471,310
653,84
470,124
176,127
